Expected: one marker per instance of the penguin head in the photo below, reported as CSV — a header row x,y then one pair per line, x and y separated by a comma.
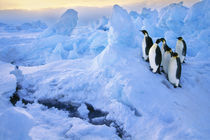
x,y
163,40
158,41
174,54
180,38
169,50
144,32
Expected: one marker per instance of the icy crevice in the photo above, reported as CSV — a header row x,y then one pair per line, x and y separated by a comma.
x,y
95,116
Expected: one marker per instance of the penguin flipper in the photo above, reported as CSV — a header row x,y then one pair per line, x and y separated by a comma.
x,y
148,45
158,57
184,52
179,68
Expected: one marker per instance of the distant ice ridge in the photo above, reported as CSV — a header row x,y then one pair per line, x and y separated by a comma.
x,y
64,26
197,29
36,26
101,24
65,40
172,17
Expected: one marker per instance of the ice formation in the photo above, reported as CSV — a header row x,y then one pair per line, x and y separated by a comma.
x,y
96,84
64,26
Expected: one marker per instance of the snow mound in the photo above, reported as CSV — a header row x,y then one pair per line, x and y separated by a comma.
x,y
8,81
150,19
121,37
64,26
57,54
101,24
198,12
15,124
172,17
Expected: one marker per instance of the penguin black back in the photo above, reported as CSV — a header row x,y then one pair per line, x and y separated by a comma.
x,y
179,68
149,43
165,46
158,58
184,49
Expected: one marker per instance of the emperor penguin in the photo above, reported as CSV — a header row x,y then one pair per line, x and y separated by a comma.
x,y
163,48
181,49
174,70
146,45
155,57
166,59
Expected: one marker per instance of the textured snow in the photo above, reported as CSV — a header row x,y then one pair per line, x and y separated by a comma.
x,y
17,122
101,64
8,81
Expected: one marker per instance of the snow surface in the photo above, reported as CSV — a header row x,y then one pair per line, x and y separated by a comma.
x,y
101,65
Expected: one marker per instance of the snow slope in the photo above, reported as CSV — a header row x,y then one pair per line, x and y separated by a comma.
x,y
94,84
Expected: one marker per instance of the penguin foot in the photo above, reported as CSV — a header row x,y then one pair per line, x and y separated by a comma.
x,y
158,70
150,69
183,61
179,86
175,86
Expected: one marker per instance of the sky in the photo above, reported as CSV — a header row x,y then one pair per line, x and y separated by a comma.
x,y
40,4
48,11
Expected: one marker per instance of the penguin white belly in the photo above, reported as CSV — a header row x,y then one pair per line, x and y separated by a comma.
x,y
144,48
179,49
172,72
166,60
152,55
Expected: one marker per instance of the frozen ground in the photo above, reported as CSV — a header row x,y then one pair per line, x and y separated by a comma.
x,y
91,82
